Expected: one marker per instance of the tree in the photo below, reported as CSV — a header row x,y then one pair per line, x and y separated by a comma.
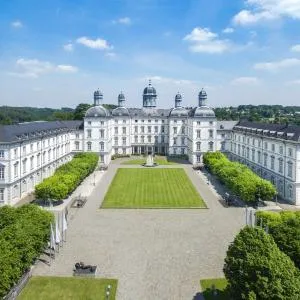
x,y
256,268
80,111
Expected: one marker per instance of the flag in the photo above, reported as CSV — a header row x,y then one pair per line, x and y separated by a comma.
x,y
64,222
57,233
52,239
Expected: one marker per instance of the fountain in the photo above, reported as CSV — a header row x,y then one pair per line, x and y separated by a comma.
x,y
150,161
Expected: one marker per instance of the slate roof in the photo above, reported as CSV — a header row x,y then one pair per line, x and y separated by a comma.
x,y
31,130
282,131
149,112
226,125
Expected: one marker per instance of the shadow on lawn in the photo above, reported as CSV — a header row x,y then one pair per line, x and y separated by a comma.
x,y
210,294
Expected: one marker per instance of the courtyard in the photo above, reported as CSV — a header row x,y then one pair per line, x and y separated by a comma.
x,y
155,254
152,188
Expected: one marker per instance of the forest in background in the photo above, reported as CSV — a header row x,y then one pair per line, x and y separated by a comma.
x,y
258,113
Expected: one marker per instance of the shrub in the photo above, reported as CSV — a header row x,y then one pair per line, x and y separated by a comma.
x,y
22,238
67,177
115,156
239,178
256,268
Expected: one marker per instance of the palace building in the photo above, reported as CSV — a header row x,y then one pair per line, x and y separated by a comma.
x,y
30,152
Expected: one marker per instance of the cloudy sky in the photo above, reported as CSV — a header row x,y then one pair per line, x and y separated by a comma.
x,y
56,53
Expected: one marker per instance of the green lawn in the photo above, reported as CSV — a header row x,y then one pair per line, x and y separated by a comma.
x,y
62,288
158,159
220,285
152,188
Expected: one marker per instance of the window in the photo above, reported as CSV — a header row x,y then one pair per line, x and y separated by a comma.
x,y
1,195
265,159
290,152
280,149
198,144
156,129
211,133
89,123
149,138
49,155
124,130
280,166
31,162
124,121
142,129
116,150
135,129
259,157
136,139
101,146
116,121
124,150
77,136
272,162
156,139
116,141
266,146
162,139
243,150
135,121
149,129
89,133
149,121
239,149
198,157
175,150
2,169
175,141
1,153
16,170
273,147
102,158
162,129
210,146
76,145
182,151
102,122
174,130
290,191
44,157
38,157
198,123
182,141
116,130
248,153
15,153
290,169
102,133
89,146
223,146
24,150
124,141
142,139
198,134
211,123
183,130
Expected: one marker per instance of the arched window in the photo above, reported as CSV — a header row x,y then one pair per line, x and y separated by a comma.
x,y
89,146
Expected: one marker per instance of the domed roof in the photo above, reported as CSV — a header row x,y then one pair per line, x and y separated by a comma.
x,y
97,111
178,96
120,111
204,111
149,89
202,93
179,112
98,93
121,96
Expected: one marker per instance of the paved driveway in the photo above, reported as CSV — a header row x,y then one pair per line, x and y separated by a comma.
x,y
156,254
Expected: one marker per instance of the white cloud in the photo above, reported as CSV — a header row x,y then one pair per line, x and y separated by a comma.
x,y
16,24
203,40
94,44
124,21
245,81
228,30
68,47
264,10
67,68
276,65
33,68
295,48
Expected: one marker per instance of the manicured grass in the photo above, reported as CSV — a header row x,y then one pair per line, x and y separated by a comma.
x,y
62,288
152,188
220,285
158,159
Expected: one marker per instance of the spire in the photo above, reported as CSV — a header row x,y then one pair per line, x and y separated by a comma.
x,y
98,97
178,100
121,99
202,97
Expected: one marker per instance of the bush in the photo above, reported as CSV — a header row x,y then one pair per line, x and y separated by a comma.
x,y
115,156
67,177
23,236
239,178
256,268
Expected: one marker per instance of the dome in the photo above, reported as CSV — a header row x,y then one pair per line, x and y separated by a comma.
x,y
96,111
120,111
179,112
121,97
149,89
204,111
202,93
178,97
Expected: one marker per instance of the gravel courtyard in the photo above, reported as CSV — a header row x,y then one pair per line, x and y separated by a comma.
x,y
156,254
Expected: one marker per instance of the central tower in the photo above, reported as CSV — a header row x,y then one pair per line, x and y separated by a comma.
x,y
149,96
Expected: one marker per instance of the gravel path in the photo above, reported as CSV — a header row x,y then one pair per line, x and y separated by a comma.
x,y
155,254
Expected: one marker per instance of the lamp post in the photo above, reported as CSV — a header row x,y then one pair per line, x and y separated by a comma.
x,y
94,178
107,292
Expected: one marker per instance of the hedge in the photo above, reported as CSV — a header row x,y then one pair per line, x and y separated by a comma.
x,y
24,233
239,178
67,177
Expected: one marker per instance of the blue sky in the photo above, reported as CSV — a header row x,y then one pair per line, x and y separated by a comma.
x,y
56,53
